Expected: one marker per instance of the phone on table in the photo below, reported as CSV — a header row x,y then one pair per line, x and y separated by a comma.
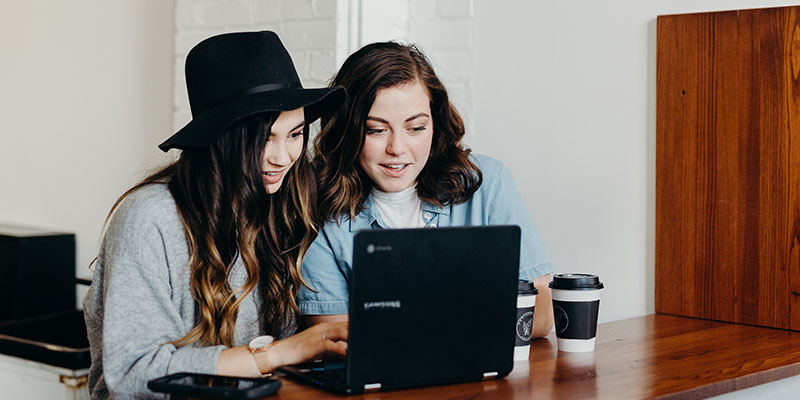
x,y
225,387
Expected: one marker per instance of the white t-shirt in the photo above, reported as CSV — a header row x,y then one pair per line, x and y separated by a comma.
x,y
400,209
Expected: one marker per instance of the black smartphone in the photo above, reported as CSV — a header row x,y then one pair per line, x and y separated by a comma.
x,y
225,387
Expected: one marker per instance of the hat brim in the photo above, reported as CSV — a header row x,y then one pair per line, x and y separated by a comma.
x,y
206,127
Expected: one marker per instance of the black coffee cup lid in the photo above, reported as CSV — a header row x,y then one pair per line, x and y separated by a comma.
x,y
575,282
526,287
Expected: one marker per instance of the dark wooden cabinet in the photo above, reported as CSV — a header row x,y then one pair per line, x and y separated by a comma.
x,y
728,166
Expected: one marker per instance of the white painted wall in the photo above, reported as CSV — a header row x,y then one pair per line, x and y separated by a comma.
x,y
85,97
564,93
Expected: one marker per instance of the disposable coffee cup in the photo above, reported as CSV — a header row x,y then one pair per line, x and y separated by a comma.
x,y
526,300
576,302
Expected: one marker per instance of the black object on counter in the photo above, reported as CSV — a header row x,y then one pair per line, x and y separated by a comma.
x,y
214,386
37,270
56,339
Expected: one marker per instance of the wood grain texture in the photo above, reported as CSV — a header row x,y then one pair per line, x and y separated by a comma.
x,y
727,207
794,172
655,356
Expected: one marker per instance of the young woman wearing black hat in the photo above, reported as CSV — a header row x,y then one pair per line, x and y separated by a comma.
x,y
392,158
200,261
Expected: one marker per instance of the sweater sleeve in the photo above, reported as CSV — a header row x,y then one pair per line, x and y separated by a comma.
x,y
134,292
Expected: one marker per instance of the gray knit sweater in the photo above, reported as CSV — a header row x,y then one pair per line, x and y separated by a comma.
x,y
140,300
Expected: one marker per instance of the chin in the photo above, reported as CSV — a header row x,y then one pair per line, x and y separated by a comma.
x,y
394,187
274,187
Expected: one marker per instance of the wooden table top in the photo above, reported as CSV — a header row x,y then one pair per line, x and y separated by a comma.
x,y
644,357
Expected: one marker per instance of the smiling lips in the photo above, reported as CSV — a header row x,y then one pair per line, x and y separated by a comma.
x,y
272,177
394,170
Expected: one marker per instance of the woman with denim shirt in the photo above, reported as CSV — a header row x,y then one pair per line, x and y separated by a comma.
x,y
392,157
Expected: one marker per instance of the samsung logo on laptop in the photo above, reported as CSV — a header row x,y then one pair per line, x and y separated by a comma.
x,y
381,304
371,248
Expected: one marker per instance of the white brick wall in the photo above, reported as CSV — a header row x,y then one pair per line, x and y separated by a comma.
x,y
443,31
319,35
383,20
457,9
308,29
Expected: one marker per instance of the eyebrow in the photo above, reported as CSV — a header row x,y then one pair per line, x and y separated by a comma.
x,y
300,125
411,118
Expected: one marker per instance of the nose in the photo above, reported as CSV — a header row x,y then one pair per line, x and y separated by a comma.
x,y
396,144
277,153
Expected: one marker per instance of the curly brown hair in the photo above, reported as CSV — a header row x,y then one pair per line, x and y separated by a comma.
x,y
449,177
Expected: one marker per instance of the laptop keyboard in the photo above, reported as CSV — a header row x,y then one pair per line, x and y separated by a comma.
x,y
331,378
330,374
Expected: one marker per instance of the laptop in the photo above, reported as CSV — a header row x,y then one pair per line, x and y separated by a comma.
x,y
428,306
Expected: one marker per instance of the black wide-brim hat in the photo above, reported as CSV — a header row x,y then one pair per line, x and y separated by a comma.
x,y
234,75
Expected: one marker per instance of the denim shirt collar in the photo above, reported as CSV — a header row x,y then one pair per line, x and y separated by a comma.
x,y
444,210
370,218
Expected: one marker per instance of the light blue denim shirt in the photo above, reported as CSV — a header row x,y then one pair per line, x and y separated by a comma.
x,y
328,264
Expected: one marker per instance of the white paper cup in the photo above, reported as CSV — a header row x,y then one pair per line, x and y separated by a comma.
x,y
576,302
526,301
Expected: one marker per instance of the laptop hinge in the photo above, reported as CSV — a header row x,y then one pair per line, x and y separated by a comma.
x,y
372,387
489,375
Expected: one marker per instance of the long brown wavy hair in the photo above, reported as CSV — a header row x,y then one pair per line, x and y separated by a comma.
x,y
449,177
227,212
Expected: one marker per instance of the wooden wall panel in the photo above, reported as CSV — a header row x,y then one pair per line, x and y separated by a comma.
x,y
792,74
727,208
769,53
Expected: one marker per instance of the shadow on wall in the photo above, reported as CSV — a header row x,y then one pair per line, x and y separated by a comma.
x,y
650,254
